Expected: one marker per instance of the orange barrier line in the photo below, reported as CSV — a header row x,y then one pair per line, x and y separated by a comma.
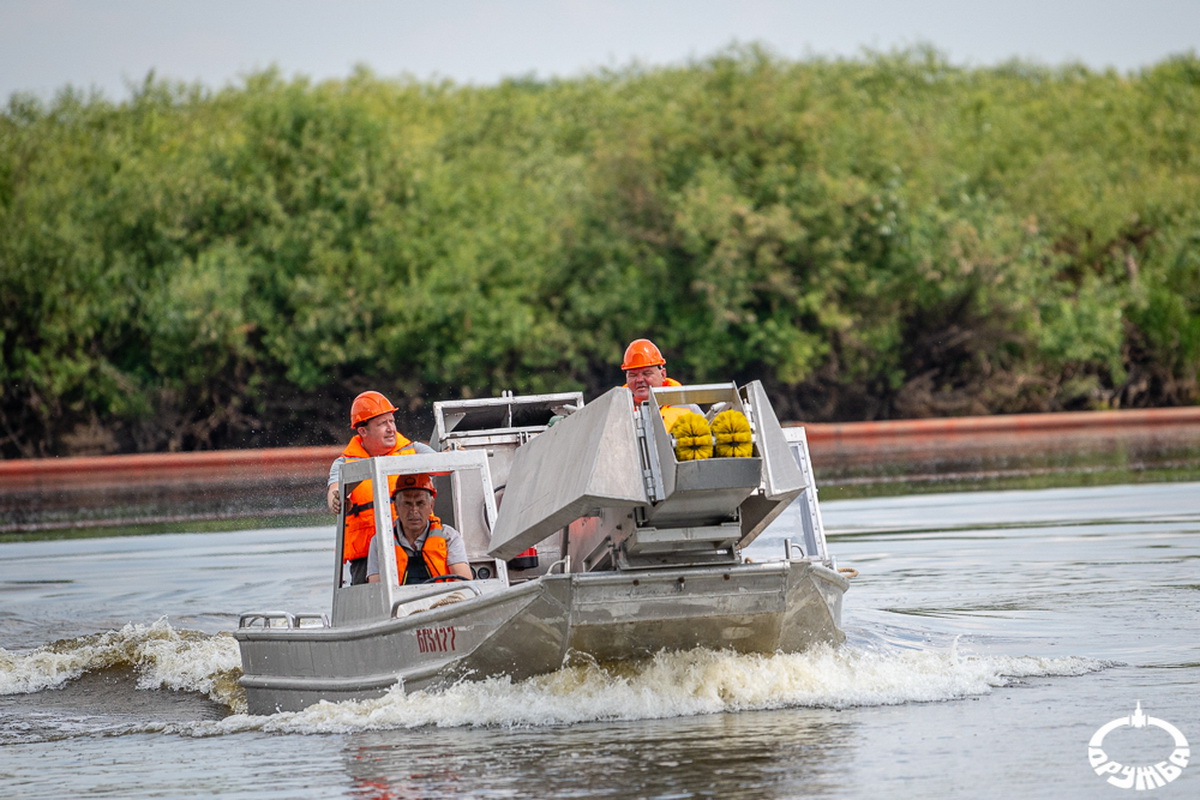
x,y
314,461
1098,421
213,464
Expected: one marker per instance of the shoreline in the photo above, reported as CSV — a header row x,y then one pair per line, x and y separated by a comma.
x,y
137,489
298,461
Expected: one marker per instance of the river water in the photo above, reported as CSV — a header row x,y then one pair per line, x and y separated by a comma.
x,y
990,635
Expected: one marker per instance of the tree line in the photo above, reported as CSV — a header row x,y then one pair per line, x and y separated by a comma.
x,y
880,237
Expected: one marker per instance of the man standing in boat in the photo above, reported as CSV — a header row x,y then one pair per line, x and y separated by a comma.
x,y
373,419
696,436
424,547
646,369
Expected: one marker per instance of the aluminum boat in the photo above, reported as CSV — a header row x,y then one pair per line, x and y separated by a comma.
x,y
587,538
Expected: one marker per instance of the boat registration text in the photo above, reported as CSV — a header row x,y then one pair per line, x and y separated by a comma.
x,y
436,640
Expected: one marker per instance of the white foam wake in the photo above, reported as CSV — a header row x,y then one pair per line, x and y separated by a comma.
x,y
164,658
675,685
669,685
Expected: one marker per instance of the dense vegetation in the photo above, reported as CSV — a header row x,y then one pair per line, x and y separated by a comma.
x,y
891,236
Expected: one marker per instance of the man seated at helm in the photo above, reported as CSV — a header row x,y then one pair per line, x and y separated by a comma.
x,y
646,369
424,547
372,417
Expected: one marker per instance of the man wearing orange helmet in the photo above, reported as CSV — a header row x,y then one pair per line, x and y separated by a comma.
x,y
372,417
424,547
646,369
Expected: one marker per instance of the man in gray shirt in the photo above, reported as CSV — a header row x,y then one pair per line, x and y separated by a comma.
x,y
424,547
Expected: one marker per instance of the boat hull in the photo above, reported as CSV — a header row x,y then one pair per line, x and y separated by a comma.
x,y
756,608
537,627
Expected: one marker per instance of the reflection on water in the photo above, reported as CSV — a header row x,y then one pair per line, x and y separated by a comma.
x,y
779,754
1020,459
155,505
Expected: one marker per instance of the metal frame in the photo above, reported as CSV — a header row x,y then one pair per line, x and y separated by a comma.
x,y
811,524
376,601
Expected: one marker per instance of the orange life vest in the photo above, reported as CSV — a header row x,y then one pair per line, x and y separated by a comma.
x,y
434,552
670,414
360,499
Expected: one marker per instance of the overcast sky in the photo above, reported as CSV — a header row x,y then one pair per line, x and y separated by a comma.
x,y
109,44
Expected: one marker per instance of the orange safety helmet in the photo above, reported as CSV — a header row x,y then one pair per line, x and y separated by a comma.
x,y
368,405
418,481
642,353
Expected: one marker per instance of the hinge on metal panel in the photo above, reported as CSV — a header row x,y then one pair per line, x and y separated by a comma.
x,y
751,418
646,451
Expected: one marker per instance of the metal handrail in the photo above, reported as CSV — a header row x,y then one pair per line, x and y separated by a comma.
x,y
289,620
265,617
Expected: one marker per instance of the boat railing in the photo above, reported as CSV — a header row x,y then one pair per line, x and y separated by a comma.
x,y
268,619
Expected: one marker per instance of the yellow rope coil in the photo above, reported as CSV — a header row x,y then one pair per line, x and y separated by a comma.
x,y
693,437
731,430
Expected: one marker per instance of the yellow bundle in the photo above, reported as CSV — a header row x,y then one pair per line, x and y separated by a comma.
x,y
731,430
693,438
